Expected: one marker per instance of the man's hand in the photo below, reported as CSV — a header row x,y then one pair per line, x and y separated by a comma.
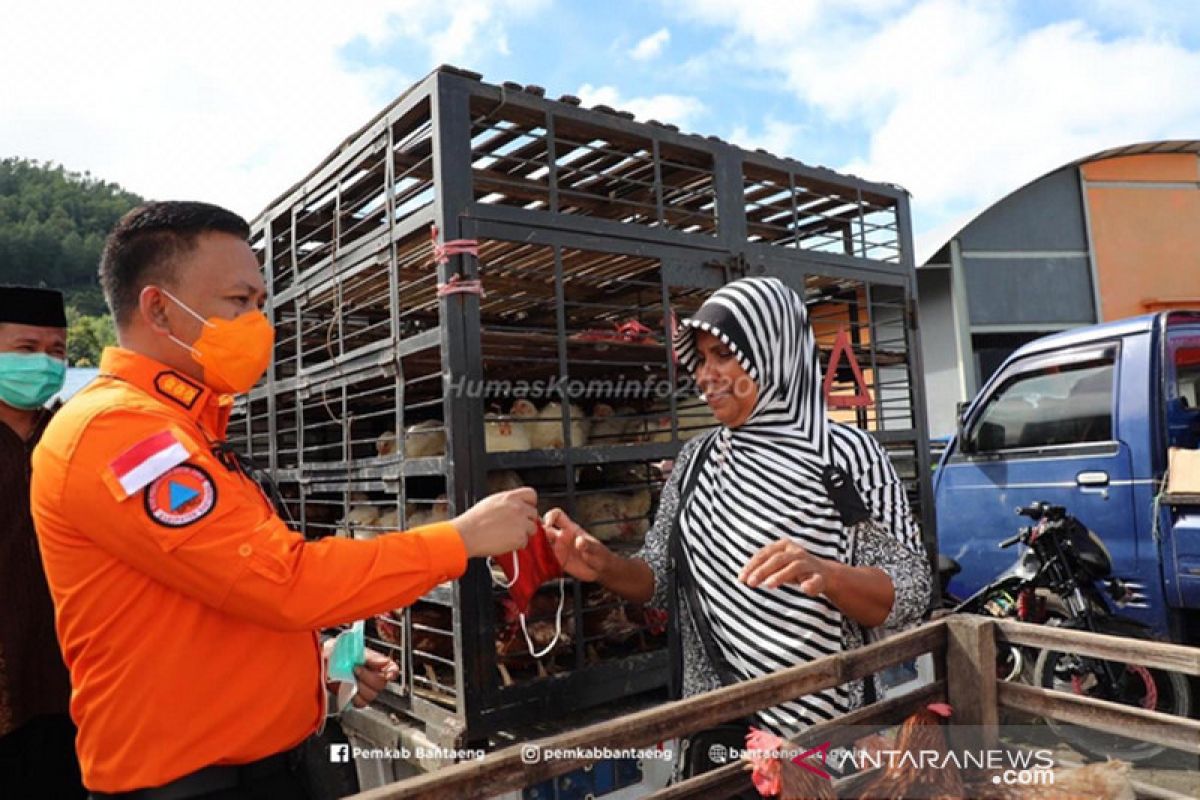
x,y
372,676
783,562
581,555
499,523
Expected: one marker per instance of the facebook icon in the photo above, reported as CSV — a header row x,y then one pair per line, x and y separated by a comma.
x,y
339,753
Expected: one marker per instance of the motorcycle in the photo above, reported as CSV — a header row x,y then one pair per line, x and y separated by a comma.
x,y
1063,577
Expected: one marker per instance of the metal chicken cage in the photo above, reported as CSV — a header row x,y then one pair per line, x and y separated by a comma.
x,y
477,289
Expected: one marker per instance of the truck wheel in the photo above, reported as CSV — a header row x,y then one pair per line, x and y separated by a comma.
x,y
1159,690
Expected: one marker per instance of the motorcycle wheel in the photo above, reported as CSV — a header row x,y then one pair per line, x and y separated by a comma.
x,y
1159,690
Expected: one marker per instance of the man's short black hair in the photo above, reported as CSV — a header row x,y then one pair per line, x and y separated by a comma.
x,y
145,244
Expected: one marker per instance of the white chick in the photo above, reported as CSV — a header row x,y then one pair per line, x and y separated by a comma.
x,y
606,427
611,515
548,433
425,439
389,520
385,445
438,512
356,518
502,435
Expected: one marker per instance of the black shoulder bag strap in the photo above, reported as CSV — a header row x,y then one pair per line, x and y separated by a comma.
x,y
685,586
851,508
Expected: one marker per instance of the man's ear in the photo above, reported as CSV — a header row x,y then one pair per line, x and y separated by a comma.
x,y
152,306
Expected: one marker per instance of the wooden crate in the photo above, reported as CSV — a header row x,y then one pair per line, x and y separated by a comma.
x,y
963,647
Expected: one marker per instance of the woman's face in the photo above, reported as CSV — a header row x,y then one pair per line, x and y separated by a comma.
x,y
729,391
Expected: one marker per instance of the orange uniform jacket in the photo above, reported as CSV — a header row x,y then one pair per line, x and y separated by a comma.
x,y
185,607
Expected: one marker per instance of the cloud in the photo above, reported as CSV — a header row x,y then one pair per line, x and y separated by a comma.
x,y
230,102
681,110
651,47
963,102
778,137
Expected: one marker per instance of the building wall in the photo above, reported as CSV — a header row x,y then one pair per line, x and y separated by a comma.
x,y
1087,243
939,346
1145,226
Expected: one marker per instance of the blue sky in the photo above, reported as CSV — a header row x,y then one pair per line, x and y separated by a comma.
x,y
959,101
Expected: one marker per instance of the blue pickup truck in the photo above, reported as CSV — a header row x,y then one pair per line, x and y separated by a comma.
x,y
1084,419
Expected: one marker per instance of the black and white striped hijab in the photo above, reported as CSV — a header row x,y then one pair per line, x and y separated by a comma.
x,y
761,482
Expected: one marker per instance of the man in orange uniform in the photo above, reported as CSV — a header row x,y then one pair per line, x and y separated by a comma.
x,y
186,609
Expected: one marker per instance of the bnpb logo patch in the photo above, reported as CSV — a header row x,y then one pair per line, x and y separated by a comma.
x,y
180,496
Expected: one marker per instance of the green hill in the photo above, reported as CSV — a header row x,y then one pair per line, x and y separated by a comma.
x,y
52,228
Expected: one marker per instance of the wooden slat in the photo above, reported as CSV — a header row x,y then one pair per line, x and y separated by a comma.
x,y
1136,723
722,782
839,732
1157,655
504,770
971,663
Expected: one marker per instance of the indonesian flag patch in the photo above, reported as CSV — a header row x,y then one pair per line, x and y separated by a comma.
x,y
134,469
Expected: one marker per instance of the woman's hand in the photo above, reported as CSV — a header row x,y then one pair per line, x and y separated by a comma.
x,y
783,562
581,555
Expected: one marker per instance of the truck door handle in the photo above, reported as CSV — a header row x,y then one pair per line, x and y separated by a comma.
x,y
1093,482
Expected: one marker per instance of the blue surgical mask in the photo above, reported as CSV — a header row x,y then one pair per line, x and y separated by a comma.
x,y
28,380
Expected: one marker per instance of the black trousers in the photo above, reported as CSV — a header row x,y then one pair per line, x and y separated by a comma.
x,y
38,761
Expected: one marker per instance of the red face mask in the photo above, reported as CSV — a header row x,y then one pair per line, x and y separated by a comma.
x,y
528,568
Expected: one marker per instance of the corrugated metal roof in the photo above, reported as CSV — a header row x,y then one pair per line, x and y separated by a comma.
x,y
1145,148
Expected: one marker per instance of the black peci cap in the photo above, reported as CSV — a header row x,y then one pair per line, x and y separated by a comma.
x,y
26,305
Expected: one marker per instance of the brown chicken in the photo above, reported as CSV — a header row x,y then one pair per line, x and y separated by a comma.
x,y
776,776
1107,781
905,774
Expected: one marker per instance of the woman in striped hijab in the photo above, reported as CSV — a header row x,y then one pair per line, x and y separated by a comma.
x,y
779,578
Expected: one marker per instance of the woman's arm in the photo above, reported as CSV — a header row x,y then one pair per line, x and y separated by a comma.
x,y
585,557
640,578
864,594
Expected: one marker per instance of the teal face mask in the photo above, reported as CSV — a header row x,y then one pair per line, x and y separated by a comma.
x,y
28,380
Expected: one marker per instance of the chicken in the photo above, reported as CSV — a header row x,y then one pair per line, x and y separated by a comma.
x,y
512,651
389,520
921,732
385,445
425,439
1107,781
610,515
604,617
433,630
693,414
503,481
504,435
438,511
779,777
652,620
547,432
358,517
610,426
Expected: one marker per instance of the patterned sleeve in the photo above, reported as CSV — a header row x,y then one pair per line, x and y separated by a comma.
x,y
892,542
655,550
909,572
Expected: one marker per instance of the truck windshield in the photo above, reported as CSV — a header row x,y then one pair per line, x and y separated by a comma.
x,y
1183,387
1051,406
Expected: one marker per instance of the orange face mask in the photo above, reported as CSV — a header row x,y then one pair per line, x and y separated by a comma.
x,y
233,352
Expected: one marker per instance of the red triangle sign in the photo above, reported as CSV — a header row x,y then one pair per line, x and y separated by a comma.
x,y
862,395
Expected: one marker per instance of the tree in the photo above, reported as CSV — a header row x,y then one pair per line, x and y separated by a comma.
x,y
87,336
52,228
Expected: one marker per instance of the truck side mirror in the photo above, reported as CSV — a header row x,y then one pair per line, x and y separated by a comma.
x,y
965,445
